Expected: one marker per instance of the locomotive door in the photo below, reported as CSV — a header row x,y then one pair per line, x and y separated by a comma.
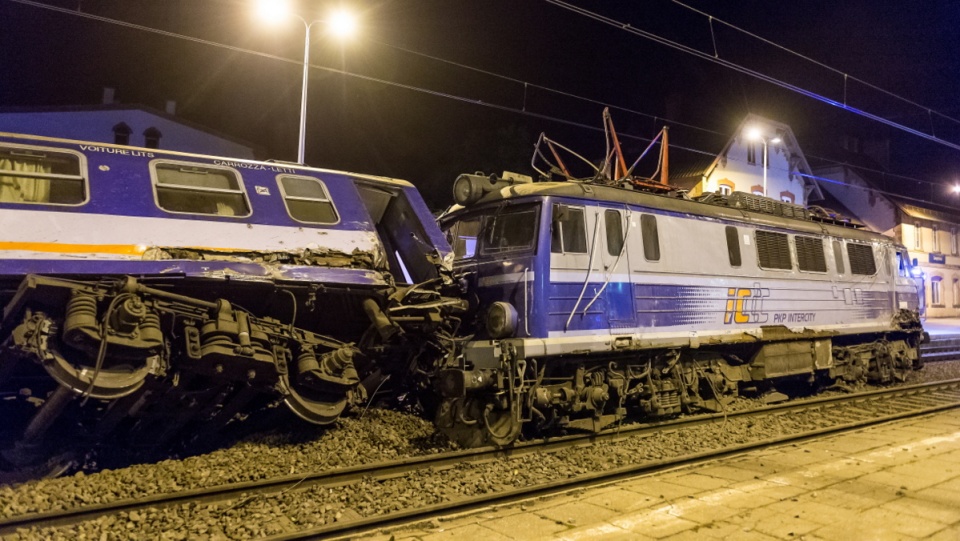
x,y
575,268
617,287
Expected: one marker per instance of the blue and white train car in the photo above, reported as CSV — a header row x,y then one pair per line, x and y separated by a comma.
x,y
194,284
593,301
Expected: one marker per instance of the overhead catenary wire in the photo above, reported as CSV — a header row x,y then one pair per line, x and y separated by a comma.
x,y
745,70
521,111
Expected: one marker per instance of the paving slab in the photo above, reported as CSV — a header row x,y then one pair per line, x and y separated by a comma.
x,y
900,482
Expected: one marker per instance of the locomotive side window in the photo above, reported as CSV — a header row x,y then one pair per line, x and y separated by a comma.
x,y
463,237
41,176
511,230
199,189
307,200
733,246
861,259
569,233
651,237
773,250
838,256
810,256
614,226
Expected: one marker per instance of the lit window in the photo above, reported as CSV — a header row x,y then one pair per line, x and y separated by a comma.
x,y
199,189
935,296
725,190
41,176
307,200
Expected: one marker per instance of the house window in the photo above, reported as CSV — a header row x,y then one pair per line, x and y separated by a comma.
x,y
953,241
757,190
151,137
956,292
307,200
752,153
192,188
936,238
788,197
733,246
725,190
917,238
569,230
935,293
37,175
121,134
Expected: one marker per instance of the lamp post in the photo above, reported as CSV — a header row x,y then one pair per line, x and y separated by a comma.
x,y
340,23
755,134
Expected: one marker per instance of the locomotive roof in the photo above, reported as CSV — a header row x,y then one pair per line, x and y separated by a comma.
x,y
611,194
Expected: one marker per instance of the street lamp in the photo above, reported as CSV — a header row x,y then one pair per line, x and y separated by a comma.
x,y
341,24
754,133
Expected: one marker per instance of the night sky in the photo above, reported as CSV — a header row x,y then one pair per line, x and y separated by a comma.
x,y
416,117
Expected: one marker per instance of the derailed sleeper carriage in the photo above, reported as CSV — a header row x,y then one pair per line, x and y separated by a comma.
x,y
149,293
595,302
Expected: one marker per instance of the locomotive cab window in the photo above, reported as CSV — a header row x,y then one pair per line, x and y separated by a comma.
x,y
41,176
810,256
569,232
463,236
192,188
773,250
307,200
861,259
510,230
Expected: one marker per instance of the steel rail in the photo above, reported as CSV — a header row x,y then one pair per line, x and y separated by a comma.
x,y
386,470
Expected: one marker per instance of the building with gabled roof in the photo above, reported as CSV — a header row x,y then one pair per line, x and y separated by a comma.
x,y
740,166
124,124
929,231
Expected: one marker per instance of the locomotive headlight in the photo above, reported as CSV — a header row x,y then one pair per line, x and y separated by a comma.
x,y
501,320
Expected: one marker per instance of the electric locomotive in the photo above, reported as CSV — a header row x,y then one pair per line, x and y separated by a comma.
x,y
148,294
594,302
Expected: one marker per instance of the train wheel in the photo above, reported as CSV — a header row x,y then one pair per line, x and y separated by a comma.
x,y
313,407
476,423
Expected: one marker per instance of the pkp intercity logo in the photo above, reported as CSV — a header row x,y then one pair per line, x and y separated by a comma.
x,y
745,305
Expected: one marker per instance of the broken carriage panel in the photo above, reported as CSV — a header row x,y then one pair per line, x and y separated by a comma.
x,y
154,284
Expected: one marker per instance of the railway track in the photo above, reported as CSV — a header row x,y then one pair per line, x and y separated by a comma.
x,y
941,348
599,461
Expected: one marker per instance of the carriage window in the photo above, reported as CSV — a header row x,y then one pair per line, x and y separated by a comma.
x,y
569,233
462,236
733,246
773,250
838,256
861,259
41,176
614,232
810,256
307,200
199,189
651,237
510,230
